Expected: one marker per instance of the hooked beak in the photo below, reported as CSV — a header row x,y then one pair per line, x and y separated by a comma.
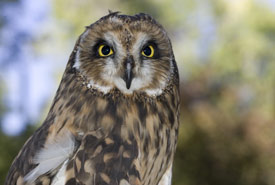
x,y
128,74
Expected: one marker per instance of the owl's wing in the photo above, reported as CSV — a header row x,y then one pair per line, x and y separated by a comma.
x,y
40,158
52,156
105,160
95,159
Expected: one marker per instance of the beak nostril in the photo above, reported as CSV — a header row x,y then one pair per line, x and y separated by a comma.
x,y
129,60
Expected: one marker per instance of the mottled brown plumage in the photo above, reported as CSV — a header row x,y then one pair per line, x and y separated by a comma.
x,y
114,119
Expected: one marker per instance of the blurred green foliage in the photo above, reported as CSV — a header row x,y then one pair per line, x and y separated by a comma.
x,y
227,84
10,147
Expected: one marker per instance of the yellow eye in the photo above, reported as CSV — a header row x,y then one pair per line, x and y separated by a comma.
x,y
148,51
104,50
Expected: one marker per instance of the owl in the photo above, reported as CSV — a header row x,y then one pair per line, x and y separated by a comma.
x,y
114,118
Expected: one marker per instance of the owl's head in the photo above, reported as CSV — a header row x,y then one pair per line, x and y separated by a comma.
x,y
129,53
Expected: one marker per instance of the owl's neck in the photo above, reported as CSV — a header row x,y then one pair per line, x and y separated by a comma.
x,y
87,109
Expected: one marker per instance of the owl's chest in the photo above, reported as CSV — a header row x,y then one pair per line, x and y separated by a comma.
x,y
145,132
154,128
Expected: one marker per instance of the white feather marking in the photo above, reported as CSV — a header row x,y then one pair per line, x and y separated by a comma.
x,y
153,92
104,89
60,177
167,177
54,153
138,83
77,57
77,60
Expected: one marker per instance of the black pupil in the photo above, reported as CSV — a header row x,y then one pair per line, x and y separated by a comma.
x,y
147,51
105,50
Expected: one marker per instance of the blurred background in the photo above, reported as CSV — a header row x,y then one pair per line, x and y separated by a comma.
x,y
225,51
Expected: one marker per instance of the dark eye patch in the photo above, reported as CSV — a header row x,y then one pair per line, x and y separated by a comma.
x,y
104,50
150,48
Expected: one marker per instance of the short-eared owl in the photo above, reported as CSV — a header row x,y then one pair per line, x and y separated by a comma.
x,y
114,119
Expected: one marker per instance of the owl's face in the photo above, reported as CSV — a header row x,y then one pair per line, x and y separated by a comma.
x,y
130,53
